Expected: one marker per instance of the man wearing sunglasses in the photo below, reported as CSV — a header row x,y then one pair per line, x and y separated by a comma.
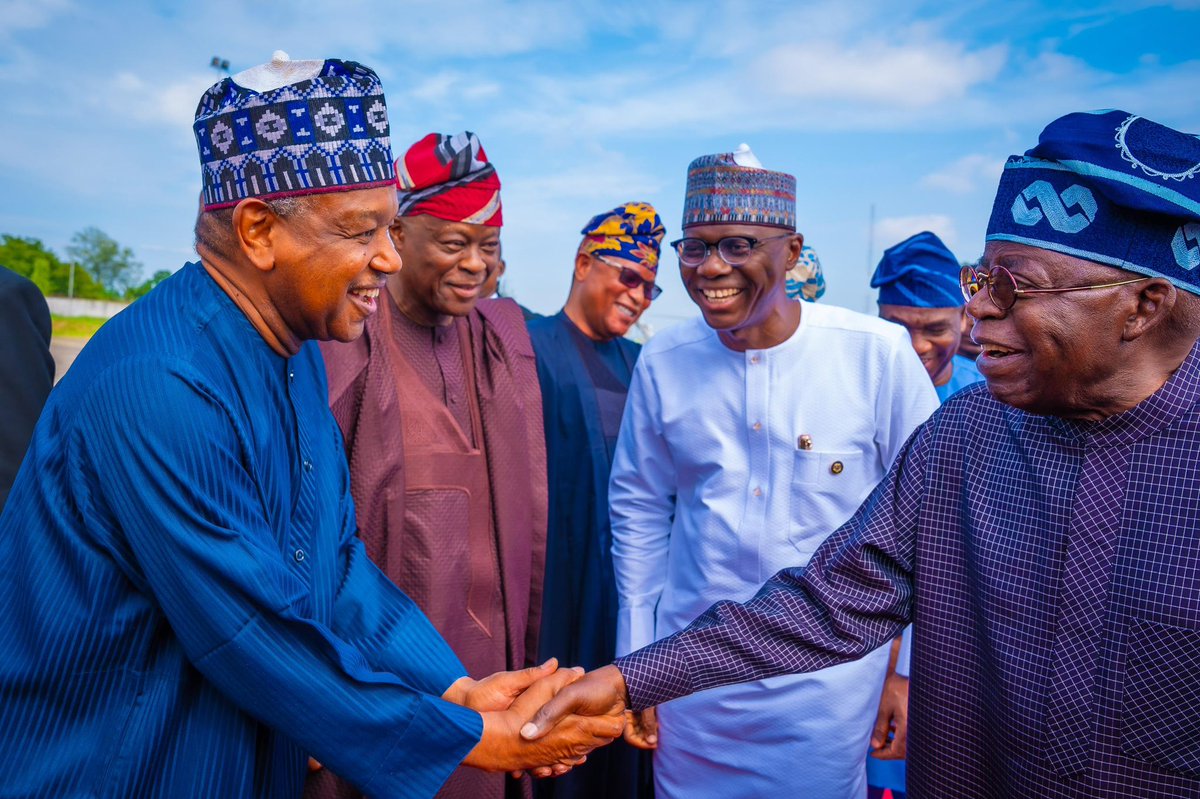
x,y
751,434
1040,531
584,365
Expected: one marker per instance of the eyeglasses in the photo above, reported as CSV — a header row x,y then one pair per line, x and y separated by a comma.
x,y
734,250
631,279
1002,286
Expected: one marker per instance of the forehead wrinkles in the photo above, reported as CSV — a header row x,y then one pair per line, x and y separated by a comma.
x,y
1058,268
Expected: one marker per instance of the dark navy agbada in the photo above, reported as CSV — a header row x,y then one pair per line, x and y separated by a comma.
x,y
188,612
584,384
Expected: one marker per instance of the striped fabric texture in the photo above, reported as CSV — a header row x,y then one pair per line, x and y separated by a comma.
x,y
189,612
1052,569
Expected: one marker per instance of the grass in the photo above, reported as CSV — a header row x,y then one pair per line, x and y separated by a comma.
x,y
80,327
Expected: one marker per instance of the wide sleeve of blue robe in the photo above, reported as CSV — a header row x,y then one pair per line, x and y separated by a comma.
x,y
181,509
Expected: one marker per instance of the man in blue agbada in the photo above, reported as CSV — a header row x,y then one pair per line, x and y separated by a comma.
x,y
918,289
188,612
584,365
1039,531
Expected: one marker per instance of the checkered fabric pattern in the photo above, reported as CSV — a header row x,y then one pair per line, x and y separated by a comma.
x,y
721,192
1053,571
329,133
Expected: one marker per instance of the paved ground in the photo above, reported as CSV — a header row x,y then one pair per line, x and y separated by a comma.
x,y
64,351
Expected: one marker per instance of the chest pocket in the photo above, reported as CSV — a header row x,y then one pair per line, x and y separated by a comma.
x,y
825,491
1161,703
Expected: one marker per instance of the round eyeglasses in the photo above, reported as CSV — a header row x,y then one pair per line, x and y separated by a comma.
x,y
631,279
734,250
1002,286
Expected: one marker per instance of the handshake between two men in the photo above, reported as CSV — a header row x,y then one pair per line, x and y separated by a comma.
x,y
546,720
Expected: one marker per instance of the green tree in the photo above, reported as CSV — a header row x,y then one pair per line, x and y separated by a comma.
x,y
110,264
144,288
33,259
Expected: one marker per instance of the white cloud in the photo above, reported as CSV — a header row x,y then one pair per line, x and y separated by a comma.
x,y
966,174
451,87
18,15
877,71
895,229
171,104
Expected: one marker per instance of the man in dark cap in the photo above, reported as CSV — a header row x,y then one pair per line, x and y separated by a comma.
x,y
439,405
918,289
585,364
187,609
918,282
1040,531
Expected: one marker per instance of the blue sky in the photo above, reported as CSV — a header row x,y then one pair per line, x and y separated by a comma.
x,y
910,108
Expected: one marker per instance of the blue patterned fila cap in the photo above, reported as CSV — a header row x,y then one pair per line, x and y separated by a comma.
x,y
291,128
1110,187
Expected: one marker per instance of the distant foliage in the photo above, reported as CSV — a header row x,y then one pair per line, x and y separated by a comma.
x,y
110,264
144,288
33,259
104,270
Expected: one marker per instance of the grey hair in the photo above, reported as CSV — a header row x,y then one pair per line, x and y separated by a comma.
x,y
214,229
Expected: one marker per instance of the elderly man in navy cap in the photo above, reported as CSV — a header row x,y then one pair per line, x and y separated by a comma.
x,y
1040,530
187,609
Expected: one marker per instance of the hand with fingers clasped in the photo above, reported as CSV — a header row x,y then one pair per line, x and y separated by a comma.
x,y
641,729
510,700
599,694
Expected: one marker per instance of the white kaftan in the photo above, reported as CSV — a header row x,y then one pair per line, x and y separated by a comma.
x,y
729,467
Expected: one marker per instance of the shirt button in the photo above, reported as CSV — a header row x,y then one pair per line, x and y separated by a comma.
x,y
757,426
758,491
308,465
753,359
298,555
291,374
836,467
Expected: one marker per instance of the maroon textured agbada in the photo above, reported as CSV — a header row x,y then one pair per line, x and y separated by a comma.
x,y
461,528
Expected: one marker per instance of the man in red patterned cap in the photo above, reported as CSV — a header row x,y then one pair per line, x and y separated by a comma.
x,y
442,416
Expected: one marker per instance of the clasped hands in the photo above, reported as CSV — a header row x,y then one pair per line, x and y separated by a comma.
x,y
546,720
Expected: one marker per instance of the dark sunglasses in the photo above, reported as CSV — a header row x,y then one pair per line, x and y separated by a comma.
x,y
1002,286
734,250
631,279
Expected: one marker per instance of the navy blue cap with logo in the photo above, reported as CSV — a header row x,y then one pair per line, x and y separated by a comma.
x,y
1110,187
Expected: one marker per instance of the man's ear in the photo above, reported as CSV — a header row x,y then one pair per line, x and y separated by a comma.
x,y
1152,306
795,246
396,231
256,227
583,265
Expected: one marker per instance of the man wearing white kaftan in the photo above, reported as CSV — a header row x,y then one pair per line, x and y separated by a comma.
x,y
730,466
